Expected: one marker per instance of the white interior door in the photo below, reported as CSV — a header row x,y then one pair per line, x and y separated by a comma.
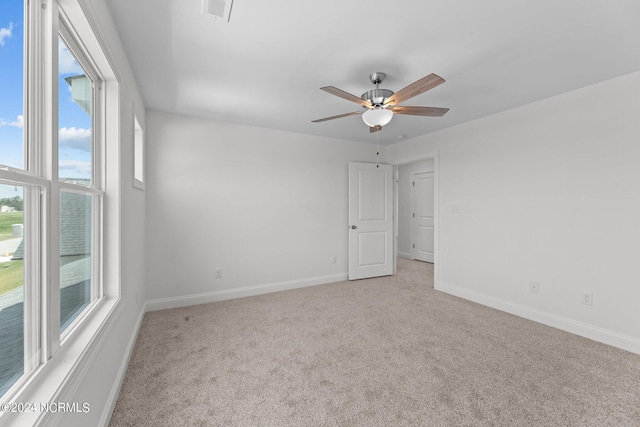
x,y
423,221
370,220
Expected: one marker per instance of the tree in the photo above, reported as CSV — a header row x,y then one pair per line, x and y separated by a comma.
x,y
14,202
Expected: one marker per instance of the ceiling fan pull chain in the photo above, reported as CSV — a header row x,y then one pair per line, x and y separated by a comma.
x,y
377,148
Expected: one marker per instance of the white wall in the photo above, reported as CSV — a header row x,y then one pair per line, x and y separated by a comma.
x,y
268,208
405,203
547,192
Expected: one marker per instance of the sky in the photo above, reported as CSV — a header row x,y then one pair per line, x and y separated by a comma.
x,y
74,124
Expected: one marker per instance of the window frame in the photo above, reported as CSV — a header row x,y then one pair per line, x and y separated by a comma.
x,y
94,189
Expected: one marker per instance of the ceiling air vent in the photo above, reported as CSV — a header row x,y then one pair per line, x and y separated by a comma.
x,y
219,9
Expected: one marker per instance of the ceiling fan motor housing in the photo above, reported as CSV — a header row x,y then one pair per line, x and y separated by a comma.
x,y
376,96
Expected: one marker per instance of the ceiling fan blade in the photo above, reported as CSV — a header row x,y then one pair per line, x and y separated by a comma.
x,y
339,116
346,95
415,88
373,129
420,111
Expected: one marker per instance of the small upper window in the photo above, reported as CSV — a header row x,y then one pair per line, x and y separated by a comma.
x,y
138,156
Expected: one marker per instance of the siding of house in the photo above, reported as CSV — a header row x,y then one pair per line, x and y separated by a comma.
x,y
75,224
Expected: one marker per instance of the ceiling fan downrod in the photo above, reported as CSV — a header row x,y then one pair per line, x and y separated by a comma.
x,y
377,96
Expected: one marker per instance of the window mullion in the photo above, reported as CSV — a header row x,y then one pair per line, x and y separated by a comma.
x,y
48,115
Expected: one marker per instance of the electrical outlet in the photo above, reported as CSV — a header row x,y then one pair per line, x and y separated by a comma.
x,y
218,273
586,298
455,209
334,259
534,287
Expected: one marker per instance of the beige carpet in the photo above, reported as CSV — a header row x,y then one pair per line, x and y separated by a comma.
x,y
378,352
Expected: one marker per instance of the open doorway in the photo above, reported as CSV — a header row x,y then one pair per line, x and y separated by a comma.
x,y
416,224
423,162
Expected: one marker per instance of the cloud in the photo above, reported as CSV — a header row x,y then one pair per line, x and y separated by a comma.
x,y
67,63
5,33
18,122
74,133
77,138
74,168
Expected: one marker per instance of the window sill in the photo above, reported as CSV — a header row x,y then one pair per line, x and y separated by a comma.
x,y
57,380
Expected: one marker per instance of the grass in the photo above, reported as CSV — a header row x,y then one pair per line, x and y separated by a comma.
x,y
7,219
11,275
11,272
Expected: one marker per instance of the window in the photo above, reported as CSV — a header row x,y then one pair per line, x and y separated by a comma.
x,y
14,227
76,262
11,285
52,183
138,155
12,148
75,114
79,179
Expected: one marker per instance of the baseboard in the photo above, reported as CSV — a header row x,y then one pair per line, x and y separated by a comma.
x,y
112,399
227,294
585,330
405,255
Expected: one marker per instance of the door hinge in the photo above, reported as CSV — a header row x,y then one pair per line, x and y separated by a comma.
x,y
414,246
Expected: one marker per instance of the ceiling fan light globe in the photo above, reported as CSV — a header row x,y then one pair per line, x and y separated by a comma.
x,y
377,117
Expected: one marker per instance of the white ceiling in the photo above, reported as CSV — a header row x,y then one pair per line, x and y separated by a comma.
x,y
266,65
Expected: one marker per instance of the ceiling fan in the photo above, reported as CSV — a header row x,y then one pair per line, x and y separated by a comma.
x,y
381,104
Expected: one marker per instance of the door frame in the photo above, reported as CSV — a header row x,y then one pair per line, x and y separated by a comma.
x,y
433,155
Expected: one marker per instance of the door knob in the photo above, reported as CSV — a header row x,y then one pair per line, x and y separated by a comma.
x,y
353,227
